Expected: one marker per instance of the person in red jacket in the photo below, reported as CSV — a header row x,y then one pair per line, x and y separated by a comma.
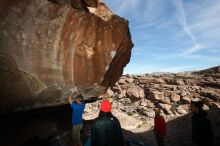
x,y
159,128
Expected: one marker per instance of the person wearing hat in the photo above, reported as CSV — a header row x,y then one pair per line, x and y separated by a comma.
x,y
106,129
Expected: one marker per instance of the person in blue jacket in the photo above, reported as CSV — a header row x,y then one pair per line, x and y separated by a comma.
x,y
77,105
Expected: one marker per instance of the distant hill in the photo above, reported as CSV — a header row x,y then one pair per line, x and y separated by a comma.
x,y
213,70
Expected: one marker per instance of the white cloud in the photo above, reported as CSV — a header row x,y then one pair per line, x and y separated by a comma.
x,y
180,13
143,12
202,24
193,49
172,31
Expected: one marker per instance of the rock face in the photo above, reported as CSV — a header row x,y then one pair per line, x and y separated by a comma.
x,y
49,47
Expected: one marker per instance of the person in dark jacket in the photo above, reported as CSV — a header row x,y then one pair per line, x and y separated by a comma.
x,y
106,129
201,127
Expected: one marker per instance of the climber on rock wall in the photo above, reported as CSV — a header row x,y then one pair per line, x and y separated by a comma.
x,y
77,105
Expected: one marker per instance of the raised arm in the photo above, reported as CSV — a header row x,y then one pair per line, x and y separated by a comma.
x,y
70,99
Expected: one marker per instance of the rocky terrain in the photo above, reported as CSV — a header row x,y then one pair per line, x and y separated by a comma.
x,y
48,47
136,96
170,92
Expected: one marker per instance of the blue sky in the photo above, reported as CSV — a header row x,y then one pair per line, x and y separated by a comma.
x,y
171,35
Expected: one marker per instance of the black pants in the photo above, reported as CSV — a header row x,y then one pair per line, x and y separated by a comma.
x,y
160,139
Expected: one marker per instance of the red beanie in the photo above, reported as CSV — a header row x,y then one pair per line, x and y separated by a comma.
x,y
106,106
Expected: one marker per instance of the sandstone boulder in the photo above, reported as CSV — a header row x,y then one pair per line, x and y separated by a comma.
x,y
156,95
129,80
215,96
181,111
62,44
117,88
216,105
159,96
183,93
126,120
146,80
135,93
194,95
149,114
186,100
147,103
121,81
122,95
169,87
110,92
166,108
144,102
179,82
125,101
205,107
169,81
175,97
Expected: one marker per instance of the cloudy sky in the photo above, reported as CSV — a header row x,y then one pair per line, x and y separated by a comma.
x,y
171,35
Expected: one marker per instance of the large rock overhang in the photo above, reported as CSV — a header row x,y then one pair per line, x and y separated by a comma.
x,y
47,48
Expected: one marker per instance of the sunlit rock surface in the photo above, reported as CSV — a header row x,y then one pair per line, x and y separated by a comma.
x,y
49,47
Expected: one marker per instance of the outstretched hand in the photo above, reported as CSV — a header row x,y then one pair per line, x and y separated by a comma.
x,y
70,99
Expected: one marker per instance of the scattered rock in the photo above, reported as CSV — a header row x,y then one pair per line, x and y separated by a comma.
x,y
122,95
110,93
126,120
183,93
129,80
165,107
117,88
156,95
179,82
125,101
149,114
186,100
205,107
170,87
181,111
216,105
121,81
174,97
185,107
135,93
144,102
194,95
